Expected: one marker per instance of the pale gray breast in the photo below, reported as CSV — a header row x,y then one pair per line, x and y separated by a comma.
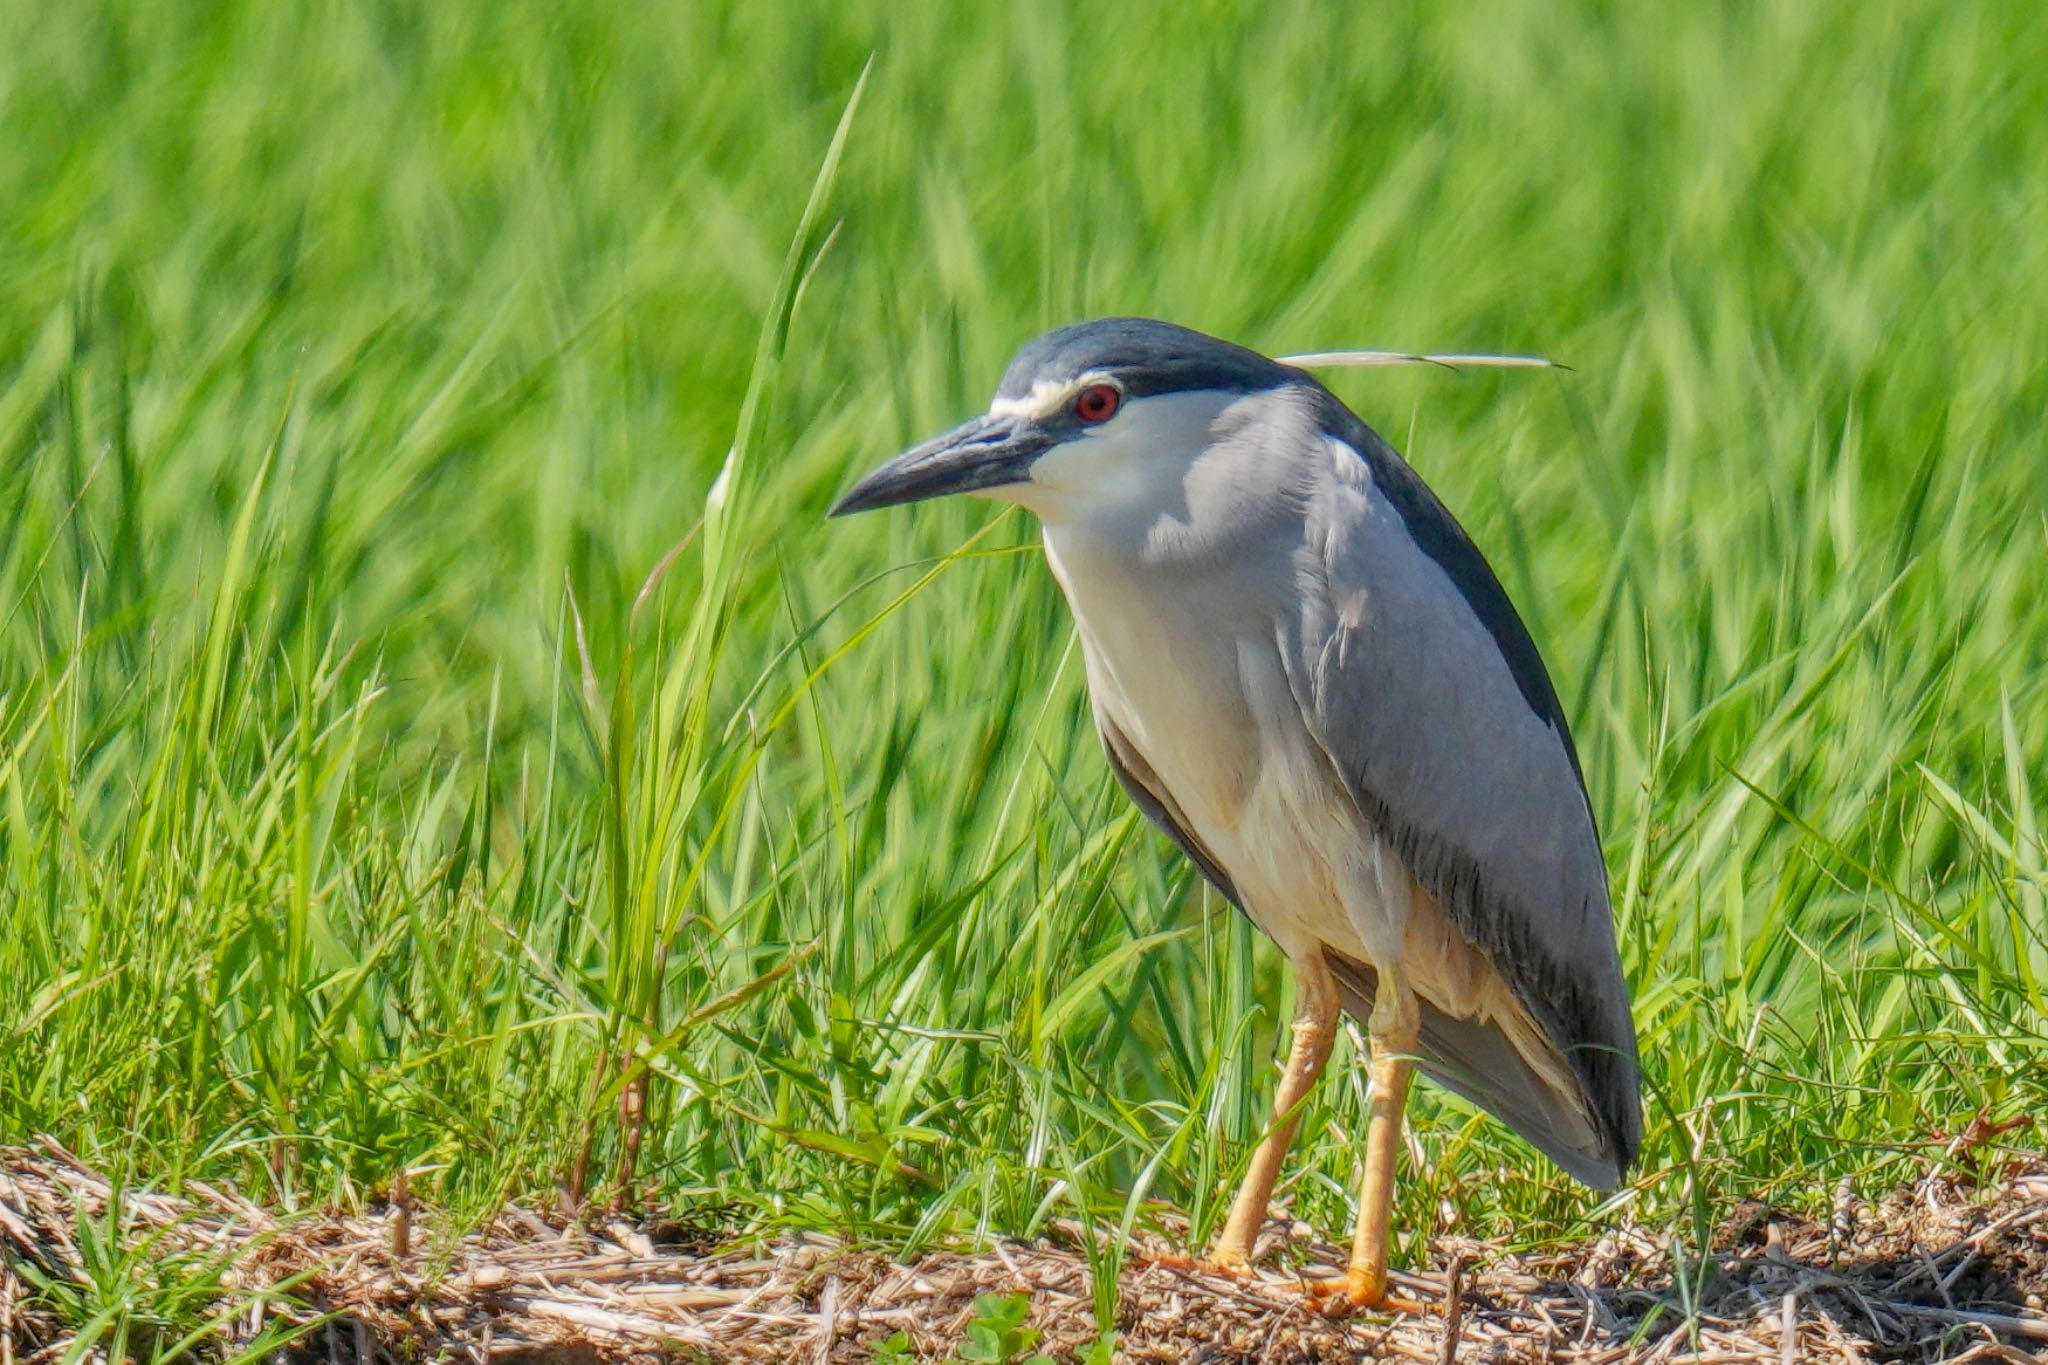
x,y
1170,591
1183,607
1161,669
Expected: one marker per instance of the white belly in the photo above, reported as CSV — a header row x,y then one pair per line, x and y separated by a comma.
x,y
1205,700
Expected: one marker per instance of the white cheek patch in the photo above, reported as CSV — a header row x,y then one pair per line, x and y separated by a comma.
x,y
1089,464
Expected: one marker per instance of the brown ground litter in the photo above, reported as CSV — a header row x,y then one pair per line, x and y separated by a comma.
x,y
1934,1272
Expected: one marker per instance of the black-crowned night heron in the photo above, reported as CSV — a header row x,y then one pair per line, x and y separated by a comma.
x,y
1308,677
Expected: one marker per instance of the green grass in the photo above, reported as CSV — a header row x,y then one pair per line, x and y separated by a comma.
x,y
356,360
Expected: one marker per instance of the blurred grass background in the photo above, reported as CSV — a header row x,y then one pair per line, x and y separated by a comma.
x,y
351,352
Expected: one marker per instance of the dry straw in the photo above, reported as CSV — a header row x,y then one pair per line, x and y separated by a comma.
x,y
1934,1272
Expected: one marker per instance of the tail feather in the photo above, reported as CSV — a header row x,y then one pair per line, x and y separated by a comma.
x,y
1476,1058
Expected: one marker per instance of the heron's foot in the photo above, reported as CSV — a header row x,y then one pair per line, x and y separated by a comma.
x,y
1358,1290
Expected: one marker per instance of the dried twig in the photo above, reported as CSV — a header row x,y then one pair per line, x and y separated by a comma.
x,y
521,1285
401,1216
2029,1325
1454,1310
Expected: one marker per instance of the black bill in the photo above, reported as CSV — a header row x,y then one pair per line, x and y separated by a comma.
x,y
987,452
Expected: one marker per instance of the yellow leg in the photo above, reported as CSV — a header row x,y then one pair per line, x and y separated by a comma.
x,y
1395,1020
1315,1028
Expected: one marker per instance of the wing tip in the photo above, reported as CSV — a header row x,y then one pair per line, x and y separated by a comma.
x,y
1601,1165
1603,1170
1590,1126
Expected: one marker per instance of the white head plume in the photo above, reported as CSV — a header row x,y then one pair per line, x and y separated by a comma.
x,y
1365,359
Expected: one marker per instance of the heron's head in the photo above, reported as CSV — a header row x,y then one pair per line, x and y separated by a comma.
x,y
1098,413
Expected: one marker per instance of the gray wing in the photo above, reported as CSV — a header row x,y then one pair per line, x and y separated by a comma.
x,y
1420,682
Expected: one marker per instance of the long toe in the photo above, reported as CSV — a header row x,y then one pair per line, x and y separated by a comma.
x,y
1358,1291
1218,1261
1226,1261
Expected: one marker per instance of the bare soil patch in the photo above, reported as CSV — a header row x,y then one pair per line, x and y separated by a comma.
x,y
1938,1271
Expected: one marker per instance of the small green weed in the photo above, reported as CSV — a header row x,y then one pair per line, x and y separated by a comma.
x,y
995,1336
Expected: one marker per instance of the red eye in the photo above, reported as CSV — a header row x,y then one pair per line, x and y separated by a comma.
x,y
1097,402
